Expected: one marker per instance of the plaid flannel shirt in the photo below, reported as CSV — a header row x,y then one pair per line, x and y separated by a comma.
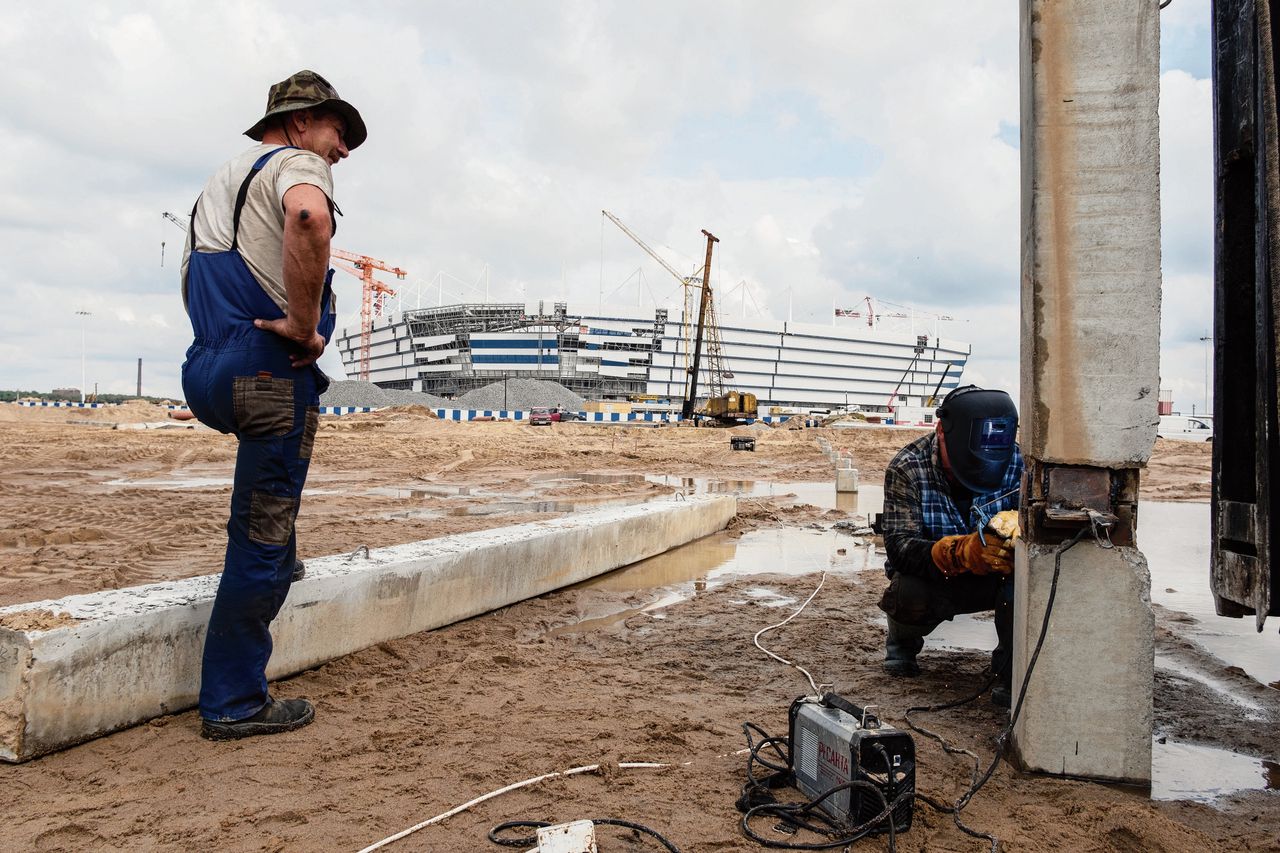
x,y
918,509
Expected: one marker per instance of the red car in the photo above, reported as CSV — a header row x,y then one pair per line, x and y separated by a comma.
x,y
542,416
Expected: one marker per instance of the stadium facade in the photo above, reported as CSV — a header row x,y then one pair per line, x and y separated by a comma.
x,y
627,352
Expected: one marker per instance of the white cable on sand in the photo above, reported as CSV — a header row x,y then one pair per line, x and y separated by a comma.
x,y
756,639
627,765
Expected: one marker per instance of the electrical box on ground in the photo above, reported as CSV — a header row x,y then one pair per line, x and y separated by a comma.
x,y
834,742
576,837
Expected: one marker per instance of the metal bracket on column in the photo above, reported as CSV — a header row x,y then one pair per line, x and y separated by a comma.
x,y
1061,499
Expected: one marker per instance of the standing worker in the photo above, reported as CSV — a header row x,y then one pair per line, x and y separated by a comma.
x,y
942,495
256,286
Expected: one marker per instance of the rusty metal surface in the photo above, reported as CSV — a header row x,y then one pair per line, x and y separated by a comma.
x,y
1243,576
1060,499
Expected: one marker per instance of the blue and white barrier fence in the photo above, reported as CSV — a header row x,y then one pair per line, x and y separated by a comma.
x,y
60,404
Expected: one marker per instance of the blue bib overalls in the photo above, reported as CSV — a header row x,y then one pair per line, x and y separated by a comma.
x,y
238,379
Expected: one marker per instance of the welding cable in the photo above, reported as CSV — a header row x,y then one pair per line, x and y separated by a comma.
x,y
590,768
756,801
754,747
524,841
1003,738
817,689
798,815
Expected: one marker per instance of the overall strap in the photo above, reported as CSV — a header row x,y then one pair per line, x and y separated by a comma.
x,y
240,199
244,192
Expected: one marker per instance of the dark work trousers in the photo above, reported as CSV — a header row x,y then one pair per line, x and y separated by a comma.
x,y
238,379
915,606
246,386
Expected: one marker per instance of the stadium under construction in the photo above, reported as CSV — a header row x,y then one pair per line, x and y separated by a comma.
x,y
631,353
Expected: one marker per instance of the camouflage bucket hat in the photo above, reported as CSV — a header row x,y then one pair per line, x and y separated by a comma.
x,y
304,90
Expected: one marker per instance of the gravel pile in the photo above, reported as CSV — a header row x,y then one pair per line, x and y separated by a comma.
x,y
520,394
353,392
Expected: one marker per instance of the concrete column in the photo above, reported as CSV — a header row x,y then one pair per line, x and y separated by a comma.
x,y
1090,374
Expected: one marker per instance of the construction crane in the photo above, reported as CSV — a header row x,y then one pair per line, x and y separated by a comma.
x,y
872,315
708,325
849,312
371,298
176,221
362,267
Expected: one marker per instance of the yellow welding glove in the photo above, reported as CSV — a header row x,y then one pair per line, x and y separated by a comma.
x,y
966,554
1005,524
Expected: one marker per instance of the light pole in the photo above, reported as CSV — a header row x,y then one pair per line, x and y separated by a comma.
x,y
1207,340
83,315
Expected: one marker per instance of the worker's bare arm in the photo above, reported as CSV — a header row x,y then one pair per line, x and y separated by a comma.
x,y
308,226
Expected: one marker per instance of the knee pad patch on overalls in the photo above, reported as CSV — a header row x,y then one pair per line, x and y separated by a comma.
x,y
309,432
271,518
263,405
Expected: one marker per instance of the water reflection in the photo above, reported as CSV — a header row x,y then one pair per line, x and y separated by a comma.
x,y
868,499
1183,771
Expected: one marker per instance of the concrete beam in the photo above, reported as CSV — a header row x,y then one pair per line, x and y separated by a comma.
x,y
1090,374
86,665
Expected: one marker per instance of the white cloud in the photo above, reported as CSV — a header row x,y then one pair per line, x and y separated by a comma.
x,y
498,131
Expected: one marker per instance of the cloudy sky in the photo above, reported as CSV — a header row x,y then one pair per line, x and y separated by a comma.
x,y
838,149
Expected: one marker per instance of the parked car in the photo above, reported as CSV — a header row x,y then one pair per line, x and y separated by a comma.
x,y
560,414
540,416
1185,428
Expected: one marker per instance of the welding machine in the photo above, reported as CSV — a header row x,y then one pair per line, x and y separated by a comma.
x,y
833,742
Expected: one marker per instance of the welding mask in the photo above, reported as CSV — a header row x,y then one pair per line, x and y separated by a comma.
x,y
978,429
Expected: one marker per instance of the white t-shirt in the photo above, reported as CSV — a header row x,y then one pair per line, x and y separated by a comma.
x,y
262,218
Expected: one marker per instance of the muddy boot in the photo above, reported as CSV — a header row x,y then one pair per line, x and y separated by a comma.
x,y
299,571
901,645
278,715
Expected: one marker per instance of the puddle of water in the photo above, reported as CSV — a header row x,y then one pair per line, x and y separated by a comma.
x,y
419,492
1183,771
182,483
1176,546
869,497
711,560
512,508
594,477
495,508
966,631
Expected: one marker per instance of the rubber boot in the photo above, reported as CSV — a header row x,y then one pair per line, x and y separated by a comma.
x,y
901,645
1002,656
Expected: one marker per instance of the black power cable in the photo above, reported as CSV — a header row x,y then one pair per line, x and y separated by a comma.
x,y
524,842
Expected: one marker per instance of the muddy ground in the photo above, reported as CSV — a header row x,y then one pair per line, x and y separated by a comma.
x,y
408,729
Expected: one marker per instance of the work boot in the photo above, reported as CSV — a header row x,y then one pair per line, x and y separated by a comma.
x,y
902,668
278,715
901,645
299,570
1001,696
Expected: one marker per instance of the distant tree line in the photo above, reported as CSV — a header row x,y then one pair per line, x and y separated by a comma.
x,y
71,395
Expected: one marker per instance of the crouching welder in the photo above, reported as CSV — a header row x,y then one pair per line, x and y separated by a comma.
x,y
256,285
949,548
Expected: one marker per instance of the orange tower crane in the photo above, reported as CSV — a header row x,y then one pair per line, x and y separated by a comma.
x,y
374,292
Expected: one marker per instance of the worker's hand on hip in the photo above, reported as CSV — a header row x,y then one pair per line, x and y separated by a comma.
x,y
967,554
310,345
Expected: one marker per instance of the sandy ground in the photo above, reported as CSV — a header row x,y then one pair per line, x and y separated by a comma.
x,y
413,727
